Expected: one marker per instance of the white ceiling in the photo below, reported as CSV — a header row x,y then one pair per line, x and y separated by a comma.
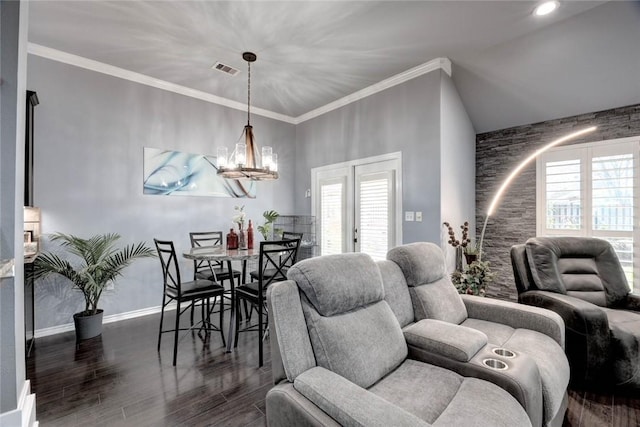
x,y
509,67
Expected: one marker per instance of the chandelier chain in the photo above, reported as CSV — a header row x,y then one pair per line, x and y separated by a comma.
x,y
249,94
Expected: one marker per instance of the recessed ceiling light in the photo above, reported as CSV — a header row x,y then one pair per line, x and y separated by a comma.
x,y
546,8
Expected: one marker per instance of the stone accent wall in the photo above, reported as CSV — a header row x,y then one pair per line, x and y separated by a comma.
x,y
498,152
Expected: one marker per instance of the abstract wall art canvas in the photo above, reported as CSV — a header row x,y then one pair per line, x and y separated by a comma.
x,y
175,173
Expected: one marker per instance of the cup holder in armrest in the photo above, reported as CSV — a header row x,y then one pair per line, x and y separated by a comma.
x,y
496,364
504,353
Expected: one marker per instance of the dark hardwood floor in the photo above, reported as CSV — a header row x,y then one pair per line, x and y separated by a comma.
x,y
119,379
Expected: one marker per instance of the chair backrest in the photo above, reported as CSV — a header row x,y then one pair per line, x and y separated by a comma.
x,y
169,262
583,267
291,235
205,238
521,271
396,292
432,293
352,329
276,256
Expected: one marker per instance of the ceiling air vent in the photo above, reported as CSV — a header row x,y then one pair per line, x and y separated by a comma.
x,y
225,68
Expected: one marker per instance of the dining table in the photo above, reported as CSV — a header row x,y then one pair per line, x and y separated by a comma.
x,y
220,253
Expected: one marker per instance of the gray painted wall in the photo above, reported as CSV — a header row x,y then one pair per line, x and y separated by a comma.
x,y
90,131
13,32
402,118
458,166
498,152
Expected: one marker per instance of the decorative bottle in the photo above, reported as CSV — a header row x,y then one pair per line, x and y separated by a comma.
x,y
250,235
242,238
232,240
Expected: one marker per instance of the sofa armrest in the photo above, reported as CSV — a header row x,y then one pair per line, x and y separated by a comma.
x,y
632,302
578,315
446,339
516,315
350,404
587,332
287,407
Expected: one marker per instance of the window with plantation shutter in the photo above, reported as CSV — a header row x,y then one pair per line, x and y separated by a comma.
x,y
332,207
592,190
374,211
563,196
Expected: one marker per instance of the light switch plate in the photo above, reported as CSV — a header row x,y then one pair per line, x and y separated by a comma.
x,y
408,216
419,216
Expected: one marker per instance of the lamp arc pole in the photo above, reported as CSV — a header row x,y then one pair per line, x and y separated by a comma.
x,y
516,171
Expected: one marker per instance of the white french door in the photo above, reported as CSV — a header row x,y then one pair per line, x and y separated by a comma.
x,y
357,204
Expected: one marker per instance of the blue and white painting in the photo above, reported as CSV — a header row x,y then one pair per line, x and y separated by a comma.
x,y
175,173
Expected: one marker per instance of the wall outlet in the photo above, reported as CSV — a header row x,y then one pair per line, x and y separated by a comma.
x,y
419,216
408,216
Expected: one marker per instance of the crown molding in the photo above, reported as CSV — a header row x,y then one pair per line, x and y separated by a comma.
x,y
100,67
435,64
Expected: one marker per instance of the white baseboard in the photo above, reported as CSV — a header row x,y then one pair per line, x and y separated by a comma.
x,y
25,414
106,319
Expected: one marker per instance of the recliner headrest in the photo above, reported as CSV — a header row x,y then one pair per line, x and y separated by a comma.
x,y
336,284
421,262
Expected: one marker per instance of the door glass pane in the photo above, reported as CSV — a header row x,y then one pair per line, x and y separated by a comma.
x,y
373,234
331,218
563,195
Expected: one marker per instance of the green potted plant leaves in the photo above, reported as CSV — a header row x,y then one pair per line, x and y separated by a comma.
x,y
269,218
97,263
474,278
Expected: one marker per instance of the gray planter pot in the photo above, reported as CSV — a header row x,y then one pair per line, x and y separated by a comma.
x,y
88,326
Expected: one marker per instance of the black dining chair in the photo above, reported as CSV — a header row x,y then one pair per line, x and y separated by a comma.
x,y
286,235
196,291
275,256
211,270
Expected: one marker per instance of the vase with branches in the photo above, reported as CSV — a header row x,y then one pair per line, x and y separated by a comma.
x,y
474,277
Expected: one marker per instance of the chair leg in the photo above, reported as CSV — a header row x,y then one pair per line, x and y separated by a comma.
x,y
192,308
175,335
205,319
235,345
164,297
222,319
260,334
247,313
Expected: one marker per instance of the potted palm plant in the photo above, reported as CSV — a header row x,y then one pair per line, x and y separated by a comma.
x,y
98,262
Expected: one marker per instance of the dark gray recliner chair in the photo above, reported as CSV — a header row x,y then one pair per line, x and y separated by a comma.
x,y
339,357
581,279
537,377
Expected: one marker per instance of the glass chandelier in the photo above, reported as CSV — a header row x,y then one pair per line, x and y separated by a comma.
x,y
244,162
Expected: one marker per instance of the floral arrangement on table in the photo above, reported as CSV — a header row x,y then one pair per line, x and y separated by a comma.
x,y
476,275
239,217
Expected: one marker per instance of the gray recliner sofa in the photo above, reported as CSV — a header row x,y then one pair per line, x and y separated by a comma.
x,y
435,319
339,357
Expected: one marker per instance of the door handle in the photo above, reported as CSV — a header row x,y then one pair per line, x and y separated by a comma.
x,y
355,235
